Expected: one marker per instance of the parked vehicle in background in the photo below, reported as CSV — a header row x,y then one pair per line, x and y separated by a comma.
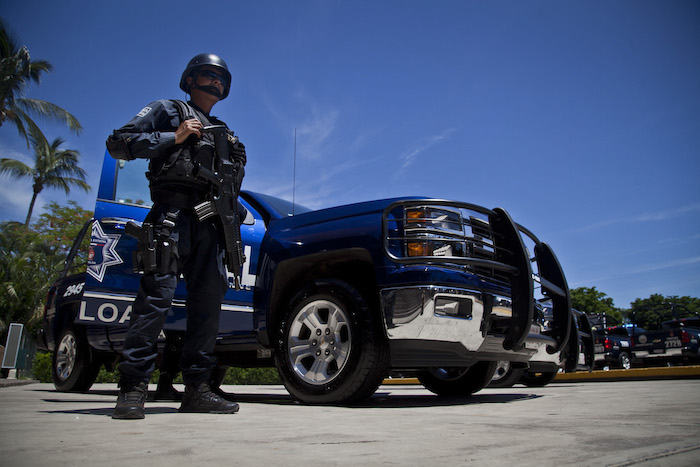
x,y
675,342
670,339
613,344
687,330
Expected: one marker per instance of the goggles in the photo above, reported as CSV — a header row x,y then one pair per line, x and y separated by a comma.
x,y
212,75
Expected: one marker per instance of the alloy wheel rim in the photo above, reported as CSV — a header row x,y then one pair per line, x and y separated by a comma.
x,y
320,342
502,369
65,357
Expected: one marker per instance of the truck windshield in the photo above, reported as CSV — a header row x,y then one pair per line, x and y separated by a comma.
x,y
132,186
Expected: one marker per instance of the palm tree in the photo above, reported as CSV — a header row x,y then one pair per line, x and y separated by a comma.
x,y
53,168
17,70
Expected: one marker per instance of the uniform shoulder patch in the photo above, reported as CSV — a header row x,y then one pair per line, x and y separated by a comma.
x,y
143,112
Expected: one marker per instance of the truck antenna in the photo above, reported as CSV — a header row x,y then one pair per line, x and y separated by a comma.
x,y
294,174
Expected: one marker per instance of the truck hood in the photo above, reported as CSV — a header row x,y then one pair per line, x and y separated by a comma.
x,y
337,213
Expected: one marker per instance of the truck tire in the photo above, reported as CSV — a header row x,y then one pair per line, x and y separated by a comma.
x,y
625,361
330,348
538,380
73,368
505,375
458,382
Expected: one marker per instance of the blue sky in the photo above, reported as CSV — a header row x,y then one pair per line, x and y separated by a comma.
x,y
582,119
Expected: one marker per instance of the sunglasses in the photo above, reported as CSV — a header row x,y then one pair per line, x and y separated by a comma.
x,y
211,75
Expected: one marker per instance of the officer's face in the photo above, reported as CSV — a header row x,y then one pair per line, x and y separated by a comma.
x,y
210,76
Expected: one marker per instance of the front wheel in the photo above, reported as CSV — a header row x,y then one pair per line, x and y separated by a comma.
x,y
330,349
458,382
73,367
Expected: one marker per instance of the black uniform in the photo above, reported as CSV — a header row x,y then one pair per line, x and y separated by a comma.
x,y
196,250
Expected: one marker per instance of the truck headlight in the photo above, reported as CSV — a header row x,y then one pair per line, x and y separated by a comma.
x,y
433,218
433,231
431,248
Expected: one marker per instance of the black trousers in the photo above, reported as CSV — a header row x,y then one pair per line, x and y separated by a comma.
x,y
201,262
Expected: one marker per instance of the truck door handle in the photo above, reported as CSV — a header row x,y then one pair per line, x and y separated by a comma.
x,y
117,222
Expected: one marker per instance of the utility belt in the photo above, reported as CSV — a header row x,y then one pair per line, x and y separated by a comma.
x,y
178,195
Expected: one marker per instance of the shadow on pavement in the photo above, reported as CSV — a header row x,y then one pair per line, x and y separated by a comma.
x,y
107,411
381,399
390,400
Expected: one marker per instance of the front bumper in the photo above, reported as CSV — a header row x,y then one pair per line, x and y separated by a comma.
x,y
435,326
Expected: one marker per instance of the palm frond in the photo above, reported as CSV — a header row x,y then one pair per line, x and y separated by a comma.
x,y
50,111
19,118
13,117
36,68
15,168
8,44
38,140
66,183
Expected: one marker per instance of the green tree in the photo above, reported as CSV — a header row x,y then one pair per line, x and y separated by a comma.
x,y
592,301
649,312
17,71
53,168
25,264
60,225
32,258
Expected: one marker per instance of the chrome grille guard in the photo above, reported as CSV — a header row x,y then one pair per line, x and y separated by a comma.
x,y
487,243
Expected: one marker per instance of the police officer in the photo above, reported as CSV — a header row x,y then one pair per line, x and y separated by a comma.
x,y
177,242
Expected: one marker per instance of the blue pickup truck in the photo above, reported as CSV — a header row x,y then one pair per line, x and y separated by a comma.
x,y
336,299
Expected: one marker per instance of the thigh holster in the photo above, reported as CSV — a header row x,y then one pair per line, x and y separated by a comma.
x,y
156,252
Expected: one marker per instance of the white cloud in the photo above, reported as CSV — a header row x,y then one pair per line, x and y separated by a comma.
x,y
15,195
654,216
642,269
314,133
667,265
314,123
411,155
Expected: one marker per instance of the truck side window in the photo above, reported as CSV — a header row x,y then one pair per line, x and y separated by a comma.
x,y
131,185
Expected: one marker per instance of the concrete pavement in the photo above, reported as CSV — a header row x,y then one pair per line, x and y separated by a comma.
x,y
643,423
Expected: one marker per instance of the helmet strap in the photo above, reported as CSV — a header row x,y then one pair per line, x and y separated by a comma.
x,y
213,90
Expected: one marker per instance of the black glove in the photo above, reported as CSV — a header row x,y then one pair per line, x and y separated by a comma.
x,y
237,150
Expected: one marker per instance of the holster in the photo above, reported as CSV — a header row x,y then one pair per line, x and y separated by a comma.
x,y
156,251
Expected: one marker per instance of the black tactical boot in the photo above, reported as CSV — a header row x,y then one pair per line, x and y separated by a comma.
x,y
221,393
130,401
199,398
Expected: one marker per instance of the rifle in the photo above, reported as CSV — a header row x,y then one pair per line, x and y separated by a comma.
x,y
223,202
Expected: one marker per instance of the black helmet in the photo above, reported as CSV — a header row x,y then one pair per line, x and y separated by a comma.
x,y
209,60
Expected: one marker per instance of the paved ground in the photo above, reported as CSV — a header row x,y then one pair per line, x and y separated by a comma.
x,y
640,423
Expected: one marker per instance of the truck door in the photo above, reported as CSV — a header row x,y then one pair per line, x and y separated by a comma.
x,y
111,284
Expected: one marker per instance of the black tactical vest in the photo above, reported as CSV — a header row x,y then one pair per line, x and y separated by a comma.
x,y
172,177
